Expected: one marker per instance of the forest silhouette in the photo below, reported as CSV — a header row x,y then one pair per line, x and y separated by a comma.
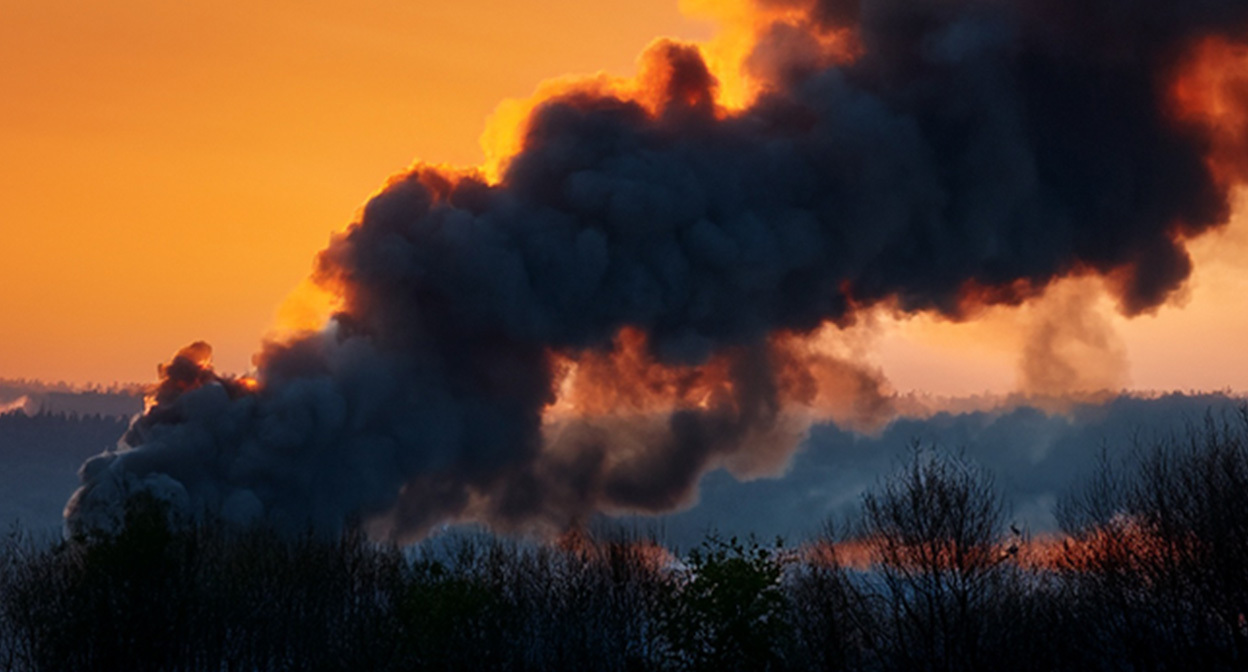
x,y
929,574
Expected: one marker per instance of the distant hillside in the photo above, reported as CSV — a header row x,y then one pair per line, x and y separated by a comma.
x,y
1036,455
47,430
37,396
41,453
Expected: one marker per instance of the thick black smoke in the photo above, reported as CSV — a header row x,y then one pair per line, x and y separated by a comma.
x,y
974,151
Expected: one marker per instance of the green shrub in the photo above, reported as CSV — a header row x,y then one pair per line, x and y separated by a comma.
x,y
730,612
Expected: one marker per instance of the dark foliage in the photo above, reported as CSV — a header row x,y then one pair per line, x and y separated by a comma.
x,y
730,612
928,576
1158,550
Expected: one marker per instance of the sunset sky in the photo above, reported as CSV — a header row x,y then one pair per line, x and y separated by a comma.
x,y
170,169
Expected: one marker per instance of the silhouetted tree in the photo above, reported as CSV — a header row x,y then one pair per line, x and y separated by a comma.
x,y
935,530
1158,550
836,624
729,611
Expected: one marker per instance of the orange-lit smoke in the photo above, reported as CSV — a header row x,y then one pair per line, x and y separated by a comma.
x,y
1211,90
629,380
505,130
740,63
814,383
1071,347
309,306
616,411
191,368
746,64
305,309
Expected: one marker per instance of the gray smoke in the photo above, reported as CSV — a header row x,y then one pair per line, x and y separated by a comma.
x,y
1036,458
974,152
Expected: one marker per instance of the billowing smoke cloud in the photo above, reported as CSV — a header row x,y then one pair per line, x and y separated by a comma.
x,y
1071,345
934,155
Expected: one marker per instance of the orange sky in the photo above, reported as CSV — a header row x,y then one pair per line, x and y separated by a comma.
x,y
170,168
1195,343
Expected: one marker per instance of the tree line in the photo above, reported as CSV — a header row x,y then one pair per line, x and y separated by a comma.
x,y
1148,573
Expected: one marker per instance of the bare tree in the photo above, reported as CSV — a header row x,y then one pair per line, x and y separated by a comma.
x,y
935,530
1158,549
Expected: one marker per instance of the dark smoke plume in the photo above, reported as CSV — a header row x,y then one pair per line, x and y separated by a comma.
x,y
955,153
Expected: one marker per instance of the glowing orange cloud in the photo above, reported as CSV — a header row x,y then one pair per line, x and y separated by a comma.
x,y
1212,90
815,379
